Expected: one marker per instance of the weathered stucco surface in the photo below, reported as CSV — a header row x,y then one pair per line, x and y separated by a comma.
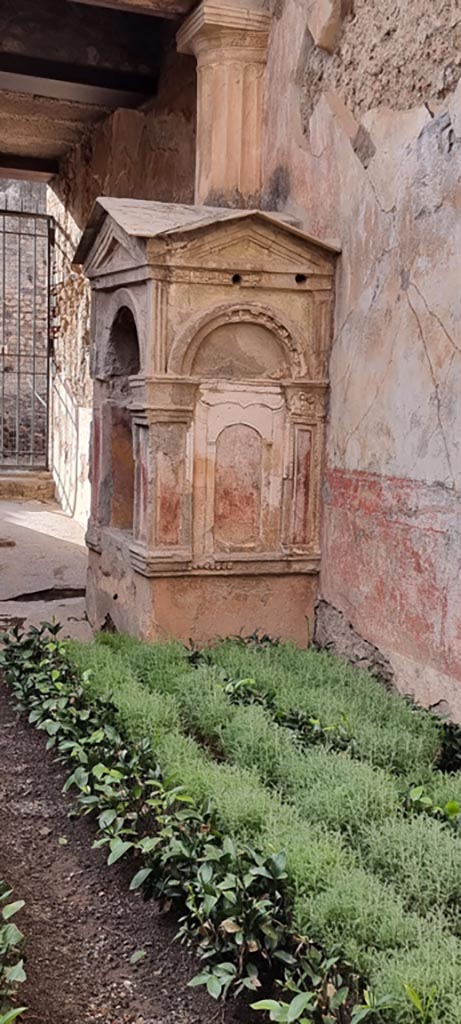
x,y
139,154
214,525
398,54
375,164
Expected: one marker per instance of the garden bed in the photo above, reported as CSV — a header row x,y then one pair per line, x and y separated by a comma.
x,y
80,921
304,770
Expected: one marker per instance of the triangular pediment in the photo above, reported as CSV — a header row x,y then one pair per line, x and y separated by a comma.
x,y
113,251
212,237
249,245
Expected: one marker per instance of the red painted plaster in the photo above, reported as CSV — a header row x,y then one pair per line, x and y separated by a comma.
x,y
391,563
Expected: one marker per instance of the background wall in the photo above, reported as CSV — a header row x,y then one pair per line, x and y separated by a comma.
x,y
148,154
364,146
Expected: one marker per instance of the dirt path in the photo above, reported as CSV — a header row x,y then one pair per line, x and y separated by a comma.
x,y
43,563
81,923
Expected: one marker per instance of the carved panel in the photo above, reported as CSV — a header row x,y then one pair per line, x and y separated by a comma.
x,y
238,484
95,464
170,455
241,350
187,344
122,466
238,469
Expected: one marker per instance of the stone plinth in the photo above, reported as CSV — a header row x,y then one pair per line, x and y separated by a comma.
x,y
210,343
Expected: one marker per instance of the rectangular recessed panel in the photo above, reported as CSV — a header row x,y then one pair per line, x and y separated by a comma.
x,y
302,481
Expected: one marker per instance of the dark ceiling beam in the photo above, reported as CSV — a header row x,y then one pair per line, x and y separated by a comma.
x,y
30,168
106,87
156,8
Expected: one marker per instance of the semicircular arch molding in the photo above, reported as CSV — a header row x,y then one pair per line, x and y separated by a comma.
x,y
186,347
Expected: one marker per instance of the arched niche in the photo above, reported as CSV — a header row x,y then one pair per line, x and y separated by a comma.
x,y
240,350
237,342
123,348
123,361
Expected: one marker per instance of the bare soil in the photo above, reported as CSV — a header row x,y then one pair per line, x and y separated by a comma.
x,y
81,923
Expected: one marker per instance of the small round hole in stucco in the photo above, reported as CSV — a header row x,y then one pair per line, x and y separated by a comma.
x,y
300,278
236,279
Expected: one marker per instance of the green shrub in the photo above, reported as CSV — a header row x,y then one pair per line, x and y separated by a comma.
x,y
326,786
421,857
358,914
12,971
387,731
433,965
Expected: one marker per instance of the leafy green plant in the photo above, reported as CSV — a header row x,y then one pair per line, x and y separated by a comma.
x,y
372,1007
12,971
11,1015
236,911
288,1012
422,1004
416,800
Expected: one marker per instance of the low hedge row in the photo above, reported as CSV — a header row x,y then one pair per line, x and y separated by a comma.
x,y
383,888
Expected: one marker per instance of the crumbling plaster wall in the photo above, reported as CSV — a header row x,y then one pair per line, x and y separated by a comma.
x,y
148,154
364,146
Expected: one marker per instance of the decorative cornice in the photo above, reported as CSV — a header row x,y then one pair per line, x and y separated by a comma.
x,y
179,563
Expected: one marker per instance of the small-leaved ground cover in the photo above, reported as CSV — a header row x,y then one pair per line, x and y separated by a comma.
x,y
297,751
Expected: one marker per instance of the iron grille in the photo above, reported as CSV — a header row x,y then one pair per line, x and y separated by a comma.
x,y
25,271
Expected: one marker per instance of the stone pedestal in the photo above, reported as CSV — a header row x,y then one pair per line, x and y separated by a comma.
x,y
211,335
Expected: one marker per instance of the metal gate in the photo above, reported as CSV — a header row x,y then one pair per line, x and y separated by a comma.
x,y
25,272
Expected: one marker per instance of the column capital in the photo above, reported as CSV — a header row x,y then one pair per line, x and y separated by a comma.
x,y
225,31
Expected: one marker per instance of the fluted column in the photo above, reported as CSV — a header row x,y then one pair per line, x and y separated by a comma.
x,y
230,44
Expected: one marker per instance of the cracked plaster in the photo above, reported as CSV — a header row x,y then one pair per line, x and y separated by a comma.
x,y
383,180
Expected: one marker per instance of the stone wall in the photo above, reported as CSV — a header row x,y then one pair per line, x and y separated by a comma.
x,y
147,154
363,145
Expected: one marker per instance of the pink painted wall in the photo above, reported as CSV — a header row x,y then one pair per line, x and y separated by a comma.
x,y
377,168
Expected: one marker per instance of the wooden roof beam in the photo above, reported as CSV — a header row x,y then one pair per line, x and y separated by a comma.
x,y
156,8
89,84
28,168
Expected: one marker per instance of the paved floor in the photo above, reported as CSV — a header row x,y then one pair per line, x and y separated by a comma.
x,y
42,567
